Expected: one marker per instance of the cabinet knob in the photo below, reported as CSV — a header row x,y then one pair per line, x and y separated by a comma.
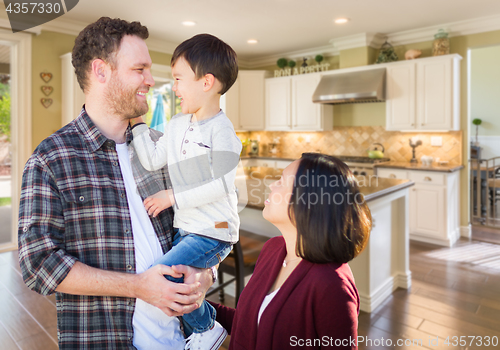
x,y
392,176
423,124
414,190
427,178
412,124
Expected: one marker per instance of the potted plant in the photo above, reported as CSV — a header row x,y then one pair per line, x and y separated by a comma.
x,y
477,122
282,62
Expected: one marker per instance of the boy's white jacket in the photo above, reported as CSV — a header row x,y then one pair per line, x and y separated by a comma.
x,y
203,160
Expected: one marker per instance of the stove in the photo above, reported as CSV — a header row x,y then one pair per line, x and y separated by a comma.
x,y
362,165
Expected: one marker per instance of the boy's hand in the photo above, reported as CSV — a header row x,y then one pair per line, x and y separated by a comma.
x,y
158,202
137,120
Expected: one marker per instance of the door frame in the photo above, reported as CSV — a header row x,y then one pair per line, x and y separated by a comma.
x,y
20,72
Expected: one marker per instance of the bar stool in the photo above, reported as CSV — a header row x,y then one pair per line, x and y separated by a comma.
x,y
239,263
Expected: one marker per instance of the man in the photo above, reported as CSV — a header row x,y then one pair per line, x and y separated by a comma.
x,y
83,230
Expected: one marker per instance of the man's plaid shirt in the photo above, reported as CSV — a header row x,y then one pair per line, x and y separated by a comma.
x,y
74,208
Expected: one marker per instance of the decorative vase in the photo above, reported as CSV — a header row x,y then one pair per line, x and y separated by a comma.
x,y
441,43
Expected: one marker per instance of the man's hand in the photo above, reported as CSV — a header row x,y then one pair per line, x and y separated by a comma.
x,y
158,202
192,275
174,299
137,120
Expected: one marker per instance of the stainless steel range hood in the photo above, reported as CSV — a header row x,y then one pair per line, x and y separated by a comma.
x,y
355,87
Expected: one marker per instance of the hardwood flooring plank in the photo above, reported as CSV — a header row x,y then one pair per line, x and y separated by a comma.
x,y
410,334
6,340
51,298
12,280
475,325
40,309
471,307
489,313
39,341
18,323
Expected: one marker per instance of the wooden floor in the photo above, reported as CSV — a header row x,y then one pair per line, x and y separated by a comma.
x,y
455,292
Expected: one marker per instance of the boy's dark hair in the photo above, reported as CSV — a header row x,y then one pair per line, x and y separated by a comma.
x,y
101,39
207,54
336,226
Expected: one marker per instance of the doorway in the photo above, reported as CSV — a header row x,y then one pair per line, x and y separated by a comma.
x,y
5,148
16,82
484,140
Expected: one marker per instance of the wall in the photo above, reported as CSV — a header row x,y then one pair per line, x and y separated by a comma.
x,y
46,51
485,89
354,141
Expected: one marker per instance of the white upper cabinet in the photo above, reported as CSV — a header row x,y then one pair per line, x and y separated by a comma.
x,y
400,104
243,103
289,104
278,105
423,94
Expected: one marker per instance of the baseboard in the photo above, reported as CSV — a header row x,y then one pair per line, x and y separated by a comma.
x,y
466,231
369,303
402,280
437,241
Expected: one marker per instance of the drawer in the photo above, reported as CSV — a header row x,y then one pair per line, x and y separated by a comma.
x,y
392,173
428,177
249,162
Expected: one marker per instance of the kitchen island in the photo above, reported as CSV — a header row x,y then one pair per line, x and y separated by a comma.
x,y
384,264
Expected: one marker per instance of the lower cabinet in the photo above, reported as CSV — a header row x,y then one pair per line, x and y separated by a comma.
x,y
434,204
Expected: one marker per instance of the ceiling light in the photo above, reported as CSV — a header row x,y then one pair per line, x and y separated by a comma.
x,y
188,23
341,20
252,41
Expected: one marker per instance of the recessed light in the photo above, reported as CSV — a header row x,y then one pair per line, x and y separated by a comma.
x,y
188,23
341,20
252,41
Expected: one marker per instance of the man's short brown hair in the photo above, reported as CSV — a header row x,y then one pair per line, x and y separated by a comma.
x,y
102,40
207,54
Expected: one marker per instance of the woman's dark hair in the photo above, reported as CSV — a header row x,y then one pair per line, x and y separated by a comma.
x,y
207,54
101,39
332,218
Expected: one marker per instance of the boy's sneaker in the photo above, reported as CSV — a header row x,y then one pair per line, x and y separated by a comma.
x,y
208,340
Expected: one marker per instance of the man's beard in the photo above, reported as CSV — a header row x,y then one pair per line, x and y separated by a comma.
x,y
123,101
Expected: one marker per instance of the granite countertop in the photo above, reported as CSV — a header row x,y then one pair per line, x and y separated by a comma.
x,y
418,166
259,178
267,157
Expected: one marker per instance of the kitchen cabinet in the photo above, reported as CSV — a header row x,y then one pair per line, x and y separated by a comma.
x,y
243,103
72,97
434,204
289,104
424,94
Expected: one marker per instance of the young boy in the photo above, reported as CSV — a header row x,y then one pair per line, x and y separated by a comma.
x,y
202,152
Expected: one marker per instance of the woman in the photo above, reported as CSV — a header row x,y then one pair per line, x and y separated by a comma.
x,y
302,292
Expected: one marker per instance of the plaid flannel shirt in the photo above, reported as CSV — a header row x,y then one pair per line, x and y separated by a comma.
x,y
74,208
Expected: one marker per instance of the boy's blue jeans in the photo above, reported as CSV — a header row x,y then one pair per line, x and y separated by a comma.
x,y
201,252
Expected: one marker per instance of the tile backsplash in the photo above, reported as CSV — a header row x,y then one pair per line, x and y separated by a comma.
x,y
355,140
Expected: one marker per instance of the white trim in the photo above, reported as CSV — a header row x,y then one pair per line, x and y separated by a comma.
x,y
374,40
5,24
466,27
368,303
20,69
466,231
327,50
